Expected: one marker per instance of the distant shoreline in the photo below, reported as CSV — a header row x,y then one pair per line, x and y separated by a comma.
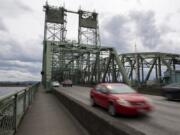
x,y
14,85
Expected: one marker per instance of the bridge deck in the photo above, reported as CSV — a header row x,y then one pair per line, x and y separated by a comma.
x,y
164,120
47,116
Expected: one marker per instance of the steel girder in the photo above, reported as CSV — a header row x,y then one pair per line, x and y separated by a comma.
x,y
83,64
145,66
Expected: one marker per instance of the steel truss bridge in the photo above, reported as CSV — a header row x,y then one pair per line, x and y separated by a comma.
x,y
87,61
141,67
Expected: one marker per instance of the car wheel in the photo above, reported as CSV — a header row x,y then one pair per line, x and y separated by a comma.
x,y
111,110
93,103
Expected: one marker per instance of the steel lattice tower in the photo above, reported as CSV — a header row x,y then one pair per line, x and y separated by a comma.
x,y
84,61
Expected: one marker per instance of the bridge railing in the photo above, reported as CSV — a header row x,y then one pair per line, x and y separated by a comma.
x,y
13,107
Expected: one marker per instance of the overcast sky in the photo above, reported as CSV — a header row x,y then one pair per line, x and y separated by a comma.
x,y
152,24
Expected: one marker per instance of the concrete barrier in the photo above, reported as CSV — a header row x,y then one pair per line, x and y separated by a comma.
x,y
95,122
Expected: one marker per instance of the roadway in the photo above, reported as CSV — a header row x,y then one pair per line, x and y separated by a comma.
x,y
164,120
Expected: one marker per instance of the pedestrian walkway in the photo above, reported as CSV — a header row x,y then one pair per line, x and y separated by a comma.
x,y
47,116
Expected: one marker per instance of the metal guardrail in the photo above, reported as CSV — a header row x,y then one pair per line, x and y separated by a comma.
x,y
13,107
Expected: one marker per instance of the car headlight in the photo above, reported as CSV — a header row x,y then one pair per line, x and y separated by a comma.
x,y
148,100
123,102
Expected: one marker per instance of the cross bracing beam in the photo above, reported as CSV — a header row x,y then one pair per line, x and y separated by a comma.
x,y
84,64
149,66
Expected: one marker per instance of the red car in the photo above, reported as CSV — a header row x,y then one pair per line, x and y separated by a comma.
x,y
119,98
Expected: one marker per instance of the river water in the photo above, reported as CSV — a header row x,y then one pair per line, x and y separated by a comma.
x,y
7,90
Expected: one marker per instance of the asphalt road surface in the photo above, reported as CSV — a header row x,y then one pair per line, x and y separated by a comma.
x,y
164,120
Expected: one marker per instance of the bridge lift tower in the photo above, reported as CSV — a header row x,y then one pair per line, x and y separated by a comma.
x,y
84,61
54,32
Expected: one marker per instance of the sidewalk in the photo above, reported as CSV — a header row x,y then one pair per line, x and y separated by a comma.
x,y
47,116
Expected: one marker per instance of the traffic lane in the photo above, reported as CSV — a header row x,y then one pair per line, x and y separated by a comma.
x,y
160,103
77,93
164,120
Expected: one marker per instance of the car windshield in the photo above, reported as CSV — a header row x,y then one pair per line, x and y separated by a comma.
x,y
120,88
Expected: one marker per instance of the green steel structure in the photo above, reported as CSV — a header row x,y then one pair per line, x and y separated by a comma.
x,y
84,61
142,67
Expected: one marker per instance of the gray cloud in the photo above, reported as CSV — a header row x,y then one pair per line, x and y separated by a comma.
x,y
15,75
2,25
13,50
122,30
139,1
20,59
31,67
146,28
18,63
13,8
165,29
22,6
178,11
116,33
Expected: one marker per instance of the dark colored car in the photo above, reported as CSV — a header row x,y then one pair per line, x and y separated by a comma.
x,y
171,91
67,83
119,98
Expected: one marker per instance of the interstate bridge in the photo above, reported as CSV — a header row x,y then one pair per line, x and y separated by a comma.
x,y
45,110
